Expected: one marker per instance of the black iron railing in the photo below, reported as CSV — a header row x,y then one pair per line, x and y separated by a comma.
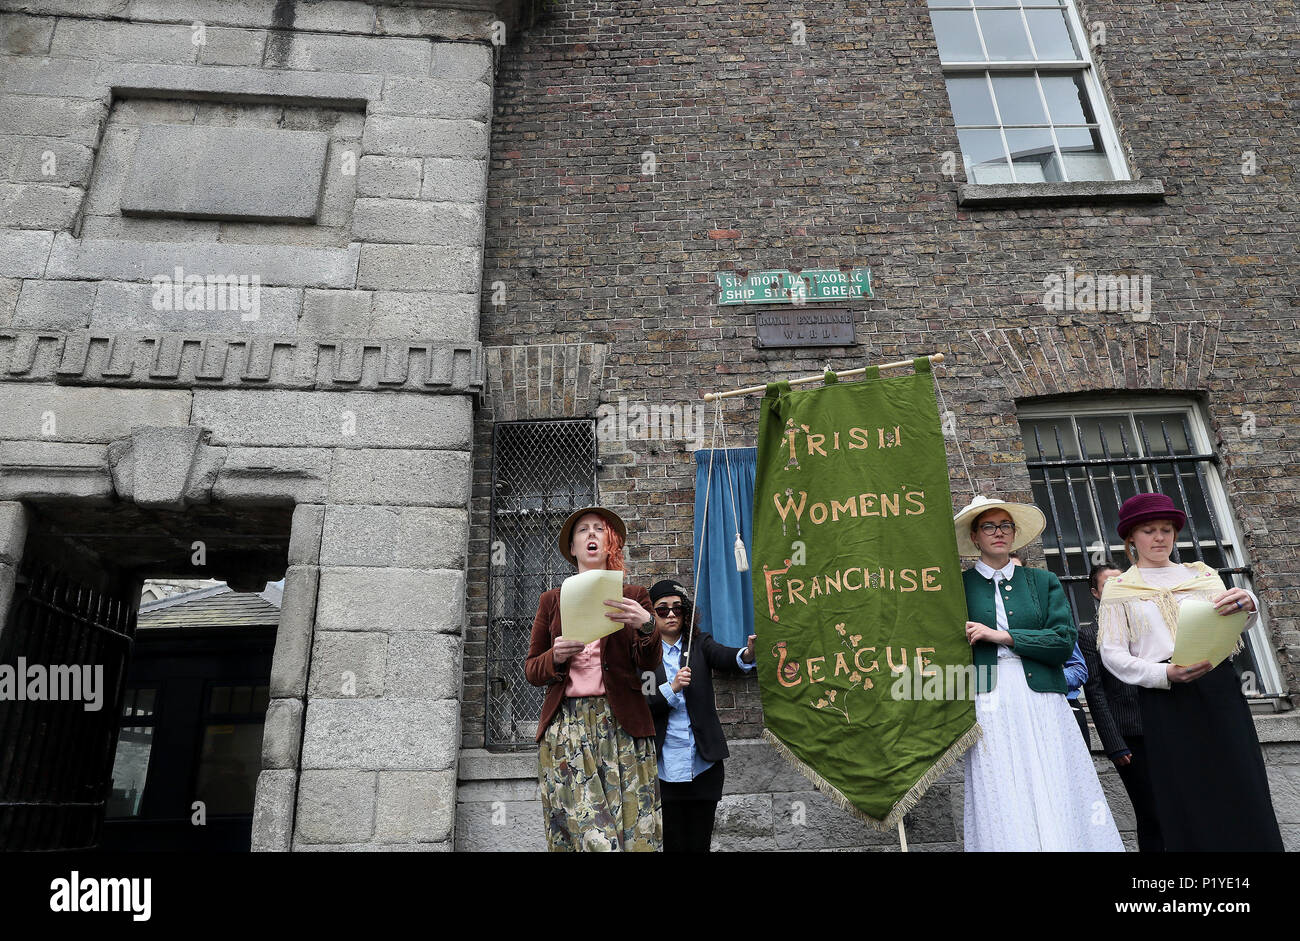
x,y
56,757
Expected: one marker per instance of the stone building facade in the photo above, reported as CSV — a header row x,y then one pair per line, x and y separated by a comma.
x,y
451,233
239,275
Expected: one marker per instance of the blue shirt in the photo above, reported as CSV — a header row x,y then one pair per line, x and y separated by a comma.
x,y
1076,674
679,760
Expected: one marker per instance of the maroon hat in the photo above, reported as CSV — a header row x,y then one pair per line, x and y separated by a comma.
x,y
1148,506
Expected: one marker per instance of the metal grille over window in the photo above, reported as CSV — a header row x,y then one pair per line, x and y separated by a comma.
x,y
1024,95
541,472
1084,465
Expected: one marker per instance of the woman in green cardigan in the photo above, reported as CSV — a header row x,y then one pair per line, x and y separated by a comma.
x,y
1030,782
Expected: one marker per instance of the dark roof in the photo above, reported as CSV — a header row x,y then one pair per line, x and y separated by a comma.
x,y
214,606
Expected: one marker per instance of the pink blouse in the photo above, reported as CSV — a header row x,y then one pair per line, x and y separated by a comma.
x,y
585,675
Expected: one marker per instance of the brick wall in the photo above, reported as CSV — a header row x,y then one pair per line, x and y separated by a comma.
x,y
775,155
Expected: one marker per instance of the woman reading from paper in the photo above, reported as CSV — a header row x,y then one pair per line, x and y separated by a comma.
x,y
1030,783
1203,756
596,755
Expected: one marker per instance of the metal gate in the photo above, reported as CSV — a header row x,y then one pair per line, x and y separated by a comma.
x,y
56,757
541,472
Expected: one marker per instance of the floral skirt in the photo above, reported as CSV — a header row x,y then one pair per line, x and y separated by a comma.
x,y
599,785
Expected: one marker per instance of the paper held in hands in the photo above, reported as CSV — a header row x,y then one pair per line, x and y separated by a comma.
x,y
583,608
1204,633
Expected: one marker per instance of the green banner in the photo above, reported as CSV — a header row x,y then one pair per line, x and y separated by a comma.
x,y
858,603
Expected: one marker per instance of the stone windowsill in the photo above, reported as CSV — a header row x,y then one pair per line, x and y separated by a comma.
x,y
996,195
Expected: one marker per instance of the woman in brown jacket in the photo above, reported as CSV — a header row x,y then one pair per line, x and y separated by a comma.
x,y
596,757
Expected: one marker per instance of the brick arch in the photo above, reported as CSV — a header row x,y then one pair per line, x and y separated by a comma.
x,y
1057,360
558,380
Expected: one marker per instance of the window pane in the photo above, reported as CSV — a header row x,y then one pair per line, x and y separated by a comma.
x,y
130,769
1004,35
1034,156
1047,432
971,102
1018,100
241,698
1067,98
1051,34
1083,153
228,767
958,41
261,697
949,3
1165,432
219,700
982,154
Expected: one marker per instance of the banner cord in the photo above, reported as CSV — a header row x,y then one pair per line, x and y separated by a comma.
x,y
731,486
955,437
704,523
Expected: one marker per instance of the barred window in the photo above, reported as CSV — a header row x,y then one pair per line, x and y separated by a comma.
x,y
1024,93
541,472
1085,460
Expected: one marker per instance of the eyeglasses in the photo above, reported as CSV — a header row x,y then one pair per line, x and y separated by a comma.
x,y
664,610
1006,528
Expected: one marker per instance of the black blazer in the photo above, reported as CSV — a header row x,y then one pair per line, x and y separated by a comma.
x,y
1112,702
707,655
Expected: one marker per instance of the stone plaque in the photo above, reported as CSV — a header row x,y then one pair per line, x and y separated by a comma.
x,y
803,326
244,174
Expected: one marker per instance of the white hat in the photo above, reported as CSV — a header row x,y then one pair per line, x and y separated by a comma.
x,y
1029,520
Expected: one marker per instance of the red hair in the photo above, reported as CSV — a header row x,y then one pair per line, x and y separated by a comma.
x,y
614,554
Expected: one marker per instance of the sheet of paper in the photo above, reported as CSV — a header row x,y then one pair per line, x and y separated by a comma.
x,y
1204,633
583,608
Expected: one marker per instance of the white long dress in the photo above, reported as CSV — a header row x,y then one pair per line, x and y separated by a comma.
x,y
1030,782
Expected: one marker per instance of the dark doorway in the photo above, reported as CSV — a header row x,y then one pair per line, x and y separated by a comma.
x,y
190,745
75,606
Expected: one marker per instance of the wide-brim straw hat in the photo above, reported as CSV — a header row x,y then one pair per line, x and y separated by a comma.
x,y
1029,519
565,539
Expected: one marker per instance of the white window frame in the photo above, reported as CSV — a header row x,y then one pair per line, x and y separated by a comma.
x,y
1270,683
1085,65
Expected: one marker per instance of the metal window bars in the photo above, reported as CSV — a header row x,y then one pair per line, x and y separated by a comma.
x,y
541,472
1090,463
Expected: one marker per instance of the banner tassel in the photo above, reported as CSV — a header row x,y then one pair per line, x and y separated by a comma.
x,y
905,803
742,560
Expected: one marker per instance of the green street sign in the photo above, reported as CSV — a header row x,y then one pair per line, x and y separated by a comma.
x,y
812,285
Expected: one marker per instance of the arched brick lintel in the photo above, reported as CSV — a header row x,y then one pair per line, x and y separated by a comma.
x,y
1045,361
557,380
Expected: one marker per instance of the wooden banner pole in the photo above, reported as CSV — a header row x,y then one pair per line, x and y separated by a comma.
x,y
752,390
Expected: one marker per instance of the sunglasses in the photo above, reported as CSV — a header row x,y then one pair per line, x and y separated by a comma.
x,y
664,610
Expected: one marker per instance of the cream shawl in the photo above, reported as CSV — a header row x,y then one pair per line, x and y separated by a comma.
x,y
1119,619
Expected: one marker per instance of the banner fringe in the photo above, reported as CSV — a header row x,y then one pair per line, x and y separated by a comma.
x,y
905,803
